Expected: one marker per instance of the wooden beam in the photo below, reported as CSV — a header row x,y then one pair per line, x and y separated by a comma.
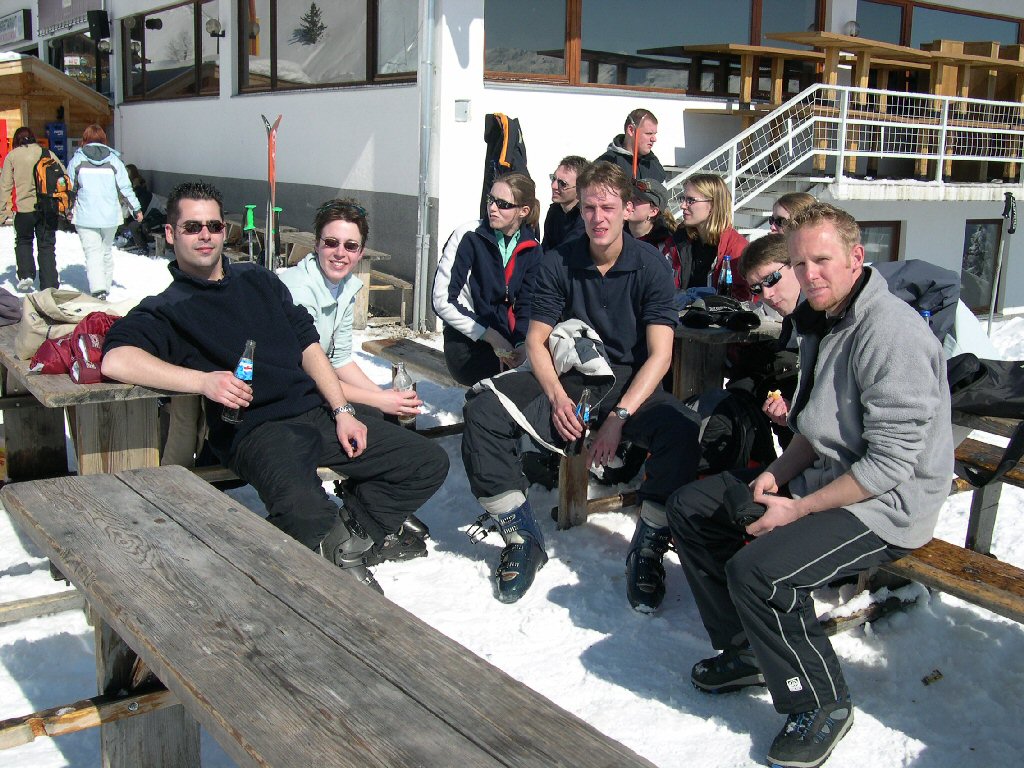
x,y
83,714
43,605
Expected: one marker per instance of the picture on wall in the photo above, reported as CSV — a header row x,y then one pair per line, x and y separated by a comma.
x,y
981,252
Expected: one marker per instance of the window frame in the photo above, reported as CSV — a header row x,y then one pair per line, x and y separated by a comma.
x,y
907,16
574,66
197,52
372,77
894,226
996,225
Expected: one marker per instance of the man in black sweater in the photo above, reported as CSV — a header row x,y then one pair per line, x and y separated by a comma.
x,y
295,418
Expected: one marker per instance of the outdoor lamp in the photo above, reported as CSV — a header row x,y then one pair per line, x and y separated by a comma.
x,y
214,28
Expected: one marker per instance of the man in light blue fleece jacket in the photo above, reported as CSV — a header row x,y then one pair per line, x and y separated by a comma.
x,y
861,484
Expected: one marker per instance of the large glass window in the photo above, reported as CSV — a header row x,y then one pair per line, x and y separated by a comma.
x,y
168,54
930,24
880,21
881,240
77,56
525,36
305,44
634,45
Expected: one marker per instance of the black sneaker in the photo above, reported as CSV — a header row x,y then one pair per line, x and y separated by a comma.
x,y
731,670
402,545
808,738
645,575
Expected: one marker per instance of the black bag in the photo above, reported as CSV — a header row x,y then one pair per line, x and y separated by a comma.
x,y
734,433
53,186
989,388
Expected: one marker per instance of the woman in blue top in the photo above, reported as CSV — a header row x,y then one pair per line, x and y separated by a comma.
x,y
325,285
99,180
484,283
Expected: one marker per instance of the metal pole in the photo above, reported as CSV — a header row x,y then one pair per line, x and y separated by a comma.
x,y
427,169
1010,214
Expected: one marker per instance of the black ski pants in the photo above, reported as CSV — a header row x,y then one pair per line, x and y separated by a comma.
x,y
469,361
392,478
759,592
42,227
490,441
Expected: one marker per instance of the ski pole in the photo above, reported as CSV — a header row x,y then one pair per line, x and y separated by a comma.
x,y
1010,214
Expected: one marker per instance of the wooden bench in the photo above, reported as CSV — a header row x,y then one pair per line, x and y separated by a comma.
x,y
382,281
282,658
969,572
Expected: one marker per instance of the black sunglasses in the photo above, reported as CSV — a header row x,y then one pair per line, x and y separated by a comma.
x,y
562,184
768,282
504,205
351,246
777,221
195,227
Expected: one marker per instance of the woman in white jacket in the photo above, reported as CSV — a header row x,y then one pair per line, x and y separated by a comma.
x,y
100,181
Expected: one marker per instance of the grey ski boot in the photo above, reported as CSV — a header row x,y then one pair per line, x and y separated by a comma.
x,y
523,554
346,545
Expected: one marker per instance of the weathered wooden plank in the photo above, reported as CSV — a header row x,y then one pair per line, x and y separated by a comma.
x,y
110,437
992,424
87,713
986,456
250,664
36,446
419,359
514,724
977,578
43,605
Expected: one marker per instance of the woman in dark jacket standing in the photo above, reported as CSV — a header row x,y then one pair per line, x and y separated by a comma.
x,y
484,283
34,219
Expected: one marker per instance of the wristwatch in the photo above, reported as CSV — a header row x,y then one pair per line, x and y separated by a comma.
x,y
622,413
346,408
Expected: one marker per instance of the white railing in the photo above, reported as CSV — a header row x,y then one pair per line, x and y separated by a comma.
x,y
844,123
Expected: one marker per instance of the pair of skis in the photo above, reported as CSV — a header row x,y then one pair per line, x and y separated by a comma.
x,y
272,244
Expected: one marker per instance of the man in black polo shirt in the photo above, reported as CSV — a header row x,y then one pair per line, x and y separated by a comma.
x,y
622,289
563,222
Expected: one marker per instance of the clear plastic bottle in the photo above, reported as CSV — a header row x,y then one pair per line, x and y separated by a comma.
x,y
725,277
243,372
575,447
402,382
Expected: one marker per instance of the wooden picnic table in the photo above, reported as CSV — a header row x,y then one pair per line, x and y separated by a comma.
x,y
114,426
283,659
698,355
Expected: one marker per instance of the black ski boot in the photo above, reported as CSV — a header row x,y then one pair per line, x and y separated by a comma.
x,y
645,575
523,554
346,545
417,526
399,546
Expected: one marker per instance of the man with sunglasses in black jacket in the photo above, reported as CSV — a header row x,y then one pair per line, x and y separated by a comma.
x,y
295,416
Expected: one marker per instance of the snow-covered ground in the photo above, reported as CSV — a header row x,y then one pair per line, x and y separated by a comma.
x,y
574,638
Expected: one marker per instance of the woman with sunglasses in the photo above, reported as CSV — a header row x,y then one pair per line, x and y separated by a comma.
x,y
324,283
651,222
100,181
707,235
484,283
787,207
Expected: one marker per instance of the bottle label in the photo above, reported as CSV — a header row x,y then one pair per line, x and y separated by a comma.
x,y
244,370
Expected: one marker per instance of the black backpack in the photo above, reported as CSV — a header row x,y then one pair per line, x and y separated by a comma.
x,y
734,433
53,186
989,388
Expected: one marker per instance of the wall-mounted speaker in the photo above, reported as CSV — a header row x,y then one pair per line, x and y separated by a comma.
x,y
99,25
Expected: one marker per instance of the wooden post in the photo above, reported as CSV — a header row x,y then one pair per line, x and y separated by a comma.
x,y
168,738
111,437
36,447
573,479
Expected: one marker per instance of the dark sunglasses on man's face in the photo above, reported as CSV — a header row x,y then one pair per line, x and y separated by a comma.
x,y
351,246
504,205
195,227
777,221
768,282
562,183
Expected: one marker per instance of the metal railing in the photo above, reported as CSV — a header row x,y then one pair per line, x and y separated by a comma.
x,y
844,123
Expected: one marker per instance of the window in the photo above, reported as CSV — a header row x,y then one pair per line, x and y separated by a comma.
x,y
634,45
169,55
77,56
304,44
909,23
881,240
978,270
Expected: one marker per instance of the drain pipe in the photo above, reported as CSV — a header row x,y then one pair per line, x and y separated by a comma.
x,y
425,80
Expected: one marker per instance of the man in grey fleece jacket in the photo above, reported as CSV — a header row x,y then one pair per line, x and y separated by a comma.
x,y
861,484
